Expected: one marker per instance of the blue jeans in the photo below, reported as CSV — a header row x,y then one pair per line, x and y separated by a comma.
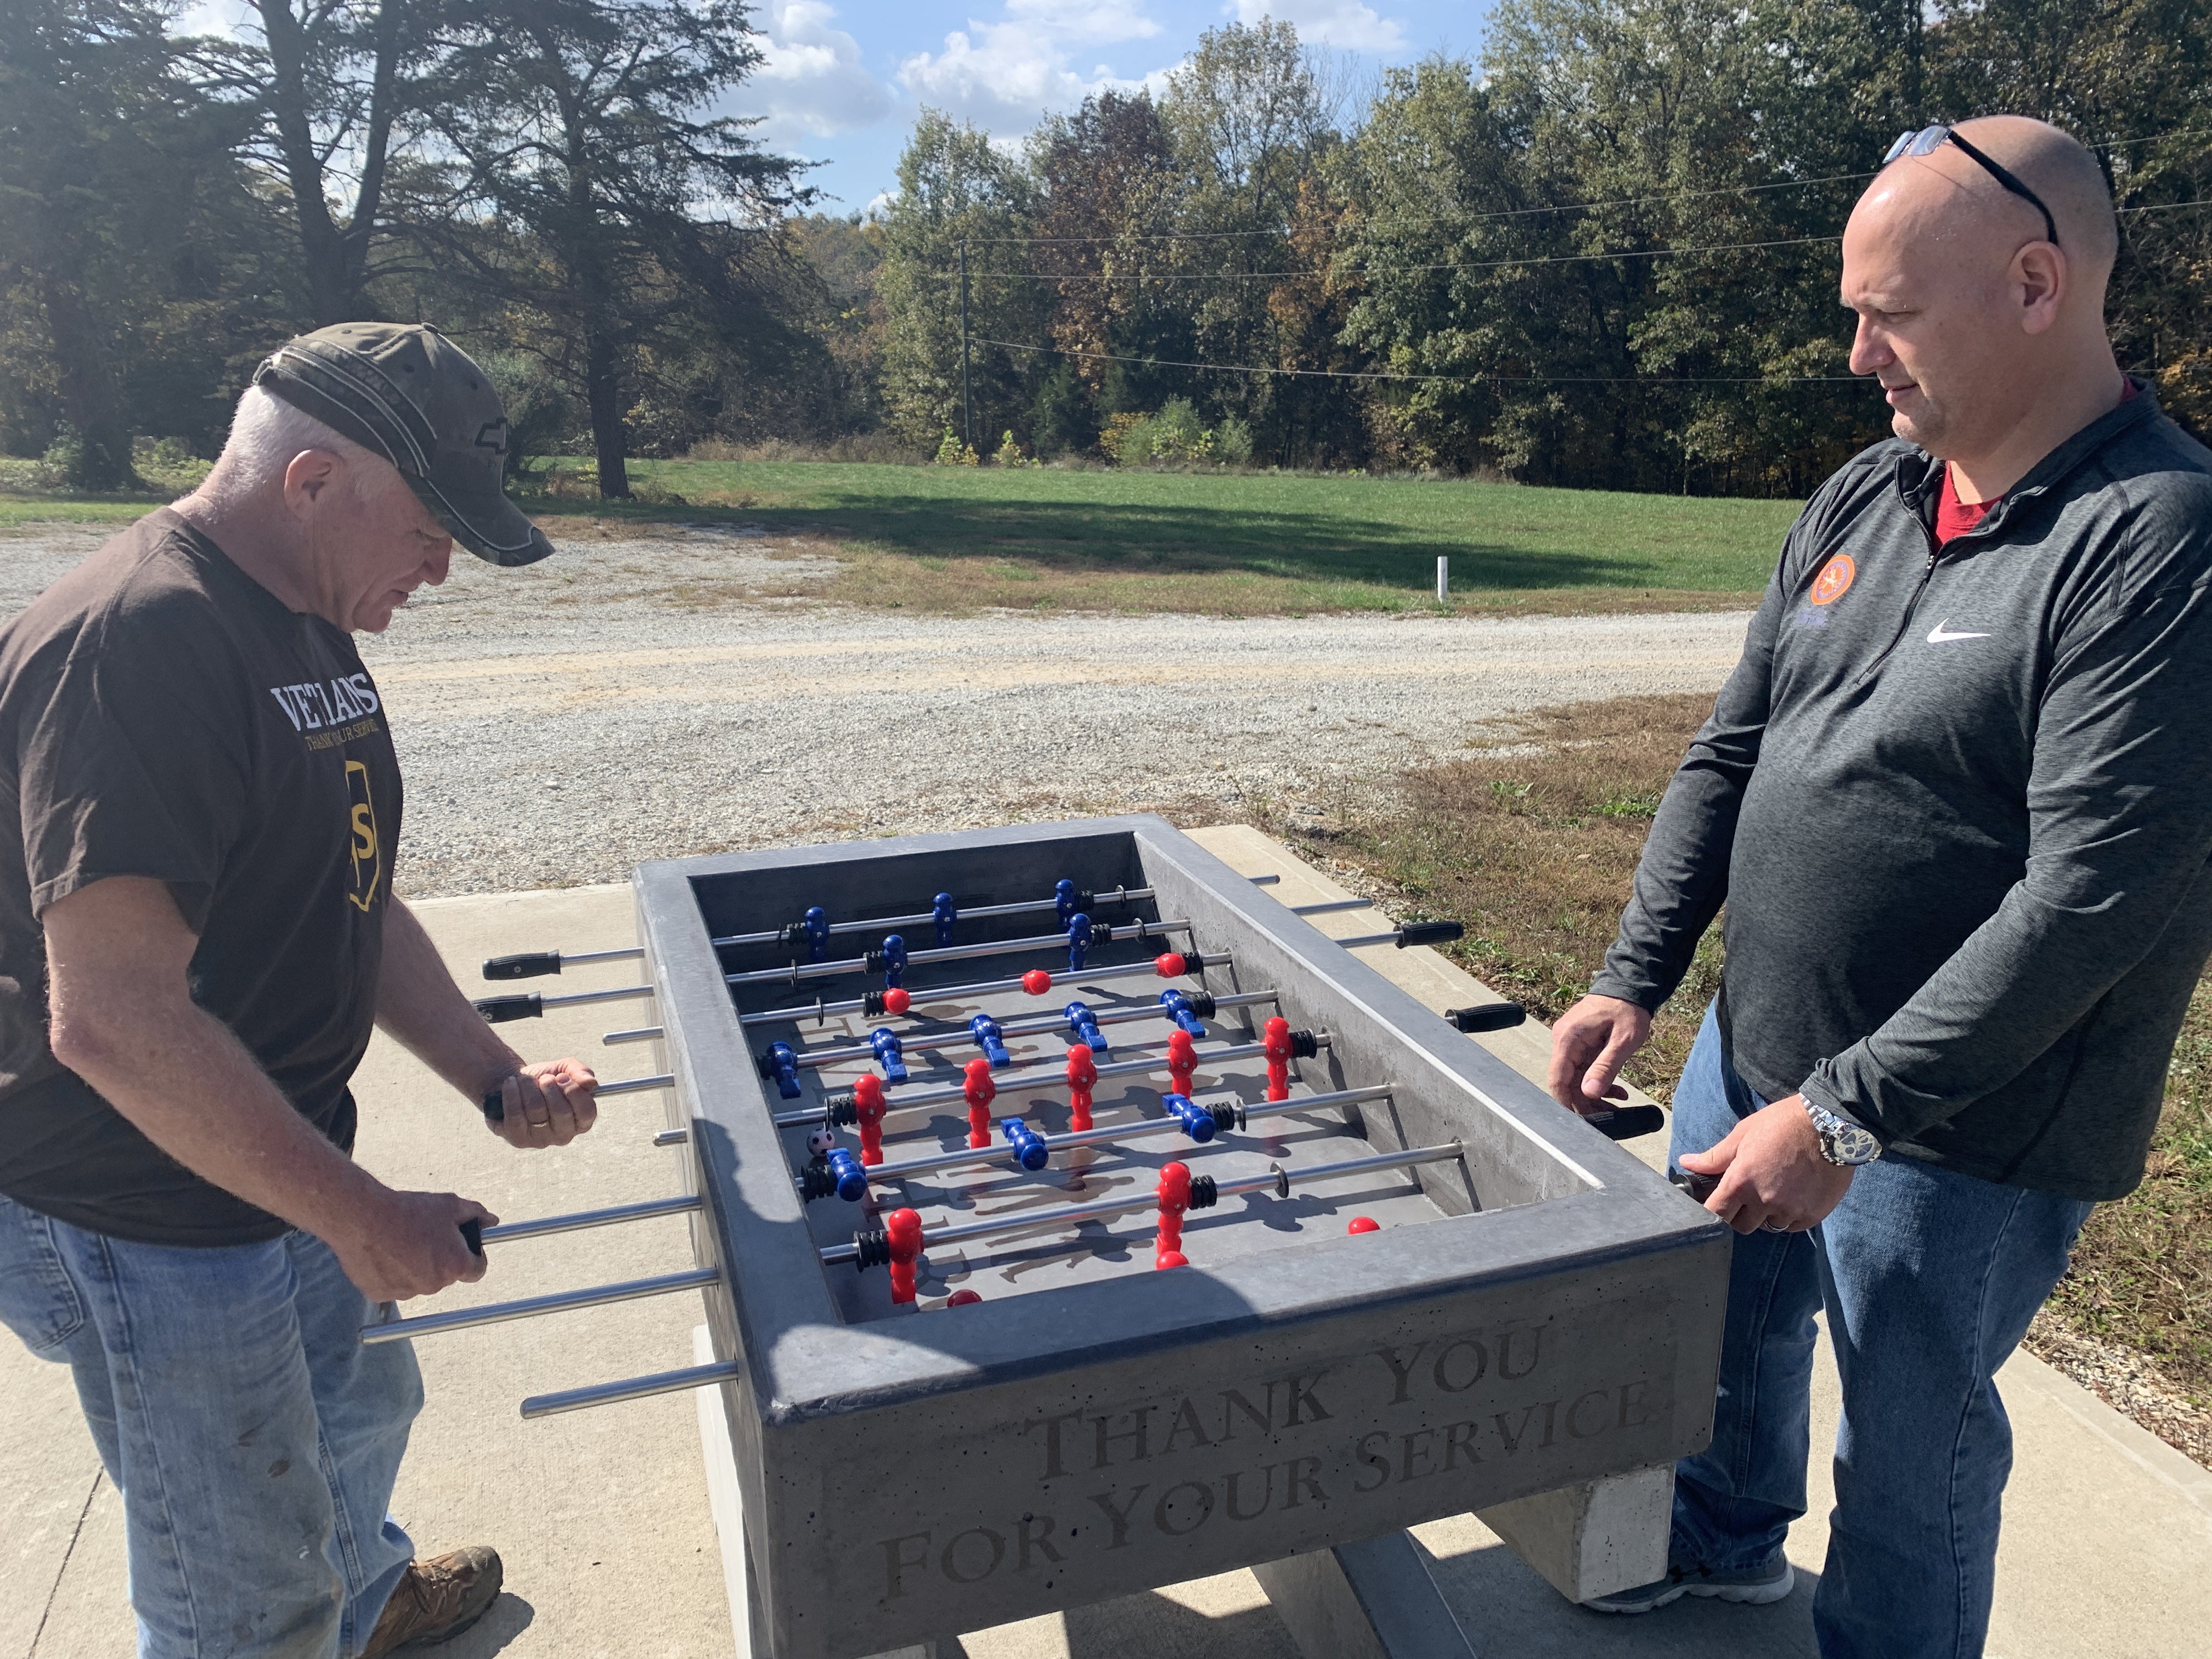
x,y
1929,1279
253,1437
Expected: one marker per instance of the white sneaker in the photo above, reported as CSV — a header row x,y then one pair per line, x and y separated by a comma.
x,y
1756,1586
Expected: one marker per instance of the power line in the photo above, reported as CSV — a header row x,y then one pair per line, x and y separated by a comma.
x,y
1520,213
1458,380
1394,271
1479,265
1442,218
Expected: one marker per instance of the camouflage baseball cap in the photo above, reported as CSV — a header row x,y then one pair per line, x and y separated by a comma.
x,y
405,391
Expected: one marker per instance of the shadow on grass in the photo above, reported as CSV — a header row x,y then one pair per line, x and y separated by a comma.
x,y
1128,540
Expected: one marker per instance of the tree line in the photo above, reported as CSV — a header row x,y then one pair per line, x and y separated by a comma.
x,y
1604,255
544,179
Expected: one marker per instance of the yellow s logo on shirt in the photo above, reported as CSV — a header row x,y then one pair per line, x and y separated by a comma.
x,y
367,846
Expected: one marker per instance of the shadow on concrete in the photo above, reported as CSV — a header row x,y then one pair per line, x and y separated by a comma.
x,y
508,1618
1162,1628
1492,1589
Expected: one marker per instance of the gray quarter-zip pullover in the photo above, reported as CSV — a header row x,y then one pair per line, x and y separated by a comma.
x,y
1959,805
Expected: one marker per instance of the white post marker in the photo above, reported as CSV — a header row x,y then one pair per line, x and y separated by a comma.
x,y
1444,579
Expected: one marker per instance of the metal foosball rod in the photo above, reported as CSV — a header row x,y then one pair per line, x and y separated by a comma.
x,y
841,1109
961,1036
532,1006
494,1109
1170,964
893,1000
630,1290
816,928
893,958
871,1249
632,1388
1486,1016
850,1180
614,1215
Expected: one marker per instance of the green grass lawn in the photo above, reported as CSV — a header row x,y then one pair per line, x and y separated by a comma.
x,y
942,539
19,510
1319,542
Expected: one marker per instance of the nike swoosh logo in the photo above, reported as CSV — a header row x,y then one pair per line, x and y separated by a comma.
x,y
1940,633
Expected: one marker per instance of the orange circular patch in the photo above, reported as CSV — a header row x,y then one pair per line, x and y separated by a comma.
x,y
1834,578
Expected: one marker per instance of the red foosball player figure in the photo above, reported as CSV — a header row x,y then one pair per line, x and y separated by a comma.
x,y
1182,1058
1276,1043
1173,1196
980,1092
868,1114
1037,982
904,1228
1082,1072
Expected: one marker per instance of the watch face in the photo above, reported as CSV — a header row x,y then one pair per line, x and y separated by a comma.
x,y
1843,1142
1852,1144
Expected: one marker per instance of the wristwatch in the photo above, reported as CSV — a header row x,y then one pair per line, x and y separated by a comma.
x,y
1843,1142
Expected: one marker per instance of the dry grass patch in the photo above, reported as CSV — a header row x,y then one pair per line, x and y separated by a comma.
x,y
2143,1272
1532,840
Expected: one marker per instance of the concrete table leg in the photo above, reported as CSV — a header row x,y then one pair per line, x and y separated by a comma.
x,y
1595,1540
1374,1600
749,1638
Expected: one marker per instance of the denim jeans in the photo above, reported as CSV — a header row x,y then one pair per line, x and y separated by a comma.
x,y
1929,1279
254,1437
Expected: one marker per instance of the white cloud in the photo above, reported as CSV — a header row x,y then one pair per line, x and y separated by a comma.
x,y
812,83
1345,24
1003,76
1084,22
214,17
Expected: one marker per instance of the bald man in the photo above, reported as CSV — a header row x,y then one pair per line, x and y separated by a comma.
x,y
1957,797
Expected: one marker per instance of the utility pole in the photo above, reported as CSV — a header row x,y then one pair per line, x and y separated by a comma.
x,y
967,400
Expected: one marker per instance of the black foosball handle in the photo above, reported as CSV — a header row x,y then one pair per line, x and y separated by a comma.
x,y
528,965
494,1105
1698,1187
1626,1122
1429,933
473,1232
1489,1017
497,1011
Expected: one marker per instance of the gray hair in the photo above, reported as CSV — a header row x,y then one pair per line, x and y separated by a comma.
x,y
266,434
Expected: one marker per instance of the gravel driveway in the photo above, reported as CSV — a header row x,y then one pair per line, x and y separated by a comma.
x,y
639,697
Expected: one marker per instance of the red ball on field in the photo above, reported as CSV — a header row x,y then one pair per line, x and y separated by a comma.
x,y
1037,982
897,999
1365,1224
962,1299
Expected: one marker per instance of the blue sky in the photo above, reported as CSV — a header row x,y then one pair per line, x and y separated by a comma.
x,y
844,78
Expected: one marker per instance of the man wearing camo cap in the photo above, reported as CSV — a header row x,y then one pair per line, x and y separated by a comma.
x,y
198,933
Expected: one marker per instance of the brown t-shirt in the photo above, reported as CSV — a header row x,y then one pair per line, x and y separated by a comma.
x,y
162,714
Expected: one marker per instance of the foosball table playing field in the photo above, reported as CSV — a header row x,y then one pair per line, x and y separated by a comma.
x,y
1073,1218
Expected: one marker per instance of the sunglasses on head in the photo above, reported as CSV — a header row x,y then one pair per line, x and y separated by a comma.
x,y
1928,139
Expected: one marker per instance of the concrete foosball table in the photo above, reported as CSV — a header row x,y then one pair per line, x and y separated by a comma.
x,y
1531,1332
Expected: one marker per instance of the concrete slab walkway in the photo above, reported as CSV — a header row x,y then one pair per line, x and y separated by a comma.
x,y
602,1515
